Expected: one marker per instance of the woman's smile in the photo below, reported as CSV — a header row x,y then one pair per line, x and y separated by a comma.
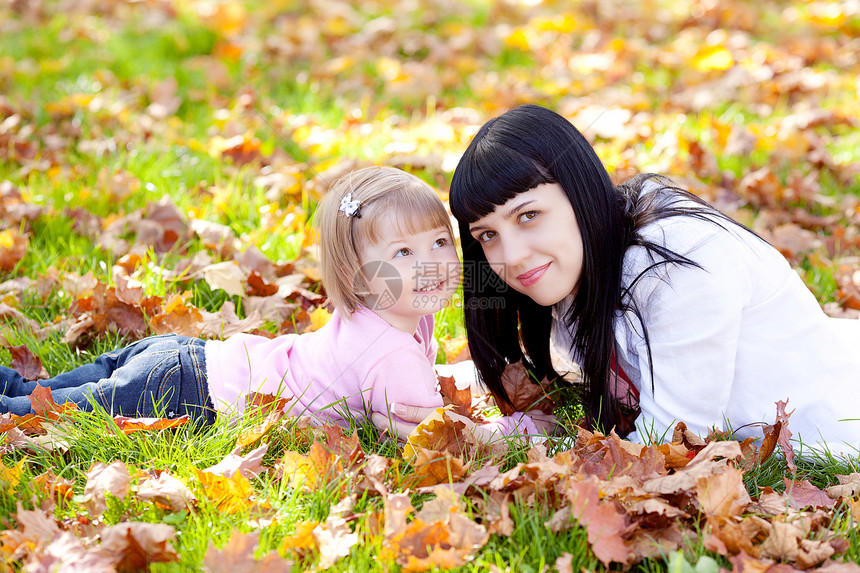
x,y
529,278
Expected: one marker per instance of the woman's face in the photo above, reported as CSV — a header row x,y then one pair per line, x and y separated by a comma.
x,y
533,243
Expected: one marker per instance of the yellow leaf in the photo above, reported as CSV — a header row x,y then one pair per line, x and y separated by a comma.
x,y
711,58
230,495
827,14
303,538
299,469
454,347
319,317
11,476
518,39
223,17
434,433
562,24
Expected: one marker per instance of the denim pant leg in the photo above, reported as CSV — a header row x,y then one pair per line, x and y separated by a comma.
x,y
158,376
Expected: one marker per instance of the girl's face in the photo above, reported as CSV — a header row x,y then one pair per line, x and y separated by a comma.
x,y
410,275
533,243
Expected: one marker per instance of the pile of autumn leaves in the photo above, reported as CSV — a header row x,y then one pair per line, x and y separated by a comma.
x,y
634,502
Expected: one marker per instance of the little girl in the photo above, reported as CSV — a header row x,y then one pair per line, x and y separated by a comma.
x,y
388,263
644,283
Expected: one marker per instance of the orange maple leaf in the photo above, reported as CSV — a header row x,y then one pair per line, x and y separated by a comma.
x,y
131,425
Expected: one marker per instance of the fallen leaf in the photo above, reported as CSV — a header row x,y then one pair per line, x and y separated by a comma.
x,y
26,363
13,247
167,491
605,525
461,399
132,425
849,486
226,276
785,435
723,495
803,494
523,393
432,467
135,546
42,400
334,540
102,479
437,432
229,495
249,465
237,556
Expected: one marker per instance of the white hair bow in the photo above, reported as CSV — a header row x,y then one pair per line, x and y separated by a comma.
x,y
350,207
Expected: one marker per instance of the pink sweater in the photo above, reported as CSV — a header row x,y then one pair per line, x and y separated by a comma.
x,y
358,365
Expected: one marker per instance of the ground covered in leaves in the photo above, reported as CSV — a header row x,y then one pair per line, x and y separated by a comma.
x,y
160,160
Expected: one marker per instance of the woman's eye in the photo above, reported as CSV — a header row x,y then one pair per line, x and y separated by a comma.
x,y
404,252
440,243
528,216
486,236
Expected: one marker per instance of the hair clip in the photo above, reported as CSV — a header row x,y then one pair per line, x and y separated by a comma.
x,y
350,207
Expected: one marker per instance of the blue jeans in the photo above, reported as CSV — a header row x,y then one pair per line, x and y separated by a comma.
x,y
158,376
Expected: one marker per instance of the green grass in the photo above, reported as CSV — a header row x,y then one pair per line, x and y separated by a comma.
x,y
88,79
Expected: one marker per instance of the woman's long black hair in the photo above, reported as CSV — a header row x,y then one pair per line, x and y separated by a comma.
x,y
525,147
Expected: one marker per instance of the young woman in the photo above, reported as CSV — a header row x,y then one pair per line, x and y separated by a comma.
x,y
642,283
388,263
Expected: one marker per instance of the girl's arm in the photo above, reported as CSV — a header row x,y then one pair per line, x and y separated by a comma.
x,y
406,417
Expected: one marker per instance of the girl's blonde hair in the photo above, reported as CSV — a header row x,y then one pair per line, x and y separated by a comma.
x,y
380,192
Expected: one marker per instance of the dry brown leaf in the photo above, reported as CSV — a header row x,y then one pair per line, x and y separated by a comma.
x,y
397,508
177,317
135,546
523,393
249,465
37,524
681,435
785,435
703,465
812,552
434,467
605,525
849,486
783,541
26,363
723,495
461,399
437,432
257,286
13,247
237,556
803,494
132,425
334,540
166,490
103,479
421,545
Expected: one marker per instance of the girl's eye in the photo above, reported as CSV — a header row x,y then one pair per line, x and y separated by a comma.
x,y
440,243
485,236
404,252
528,216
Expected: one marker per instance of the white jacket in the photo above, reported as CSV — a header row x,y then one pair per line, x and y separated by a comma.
x,y
732,338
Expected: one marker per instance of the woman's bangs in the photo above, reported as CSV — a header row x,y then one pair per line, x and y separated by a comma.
x,y
497,176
